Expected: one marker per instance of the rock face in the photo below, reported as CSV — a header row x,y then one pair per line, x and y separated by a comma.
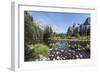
x,y
87,22
81,29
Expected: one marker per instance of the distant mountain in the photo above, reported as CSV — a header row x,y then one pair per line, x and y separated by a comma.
x,y
87,22
80,29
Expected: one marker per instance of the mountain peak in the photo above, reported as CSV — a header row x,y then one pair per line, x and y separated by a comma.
x,y
87,22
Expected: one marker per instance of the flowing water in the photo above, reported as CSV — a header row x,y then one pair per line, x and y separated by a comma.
x,y
61,51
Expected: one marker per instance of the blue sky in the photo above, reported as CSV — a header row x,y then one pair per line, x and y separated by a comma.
x,y
59,21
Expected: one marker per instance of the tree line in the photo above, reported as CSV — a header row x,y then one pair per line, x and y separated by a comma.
x,y
34,34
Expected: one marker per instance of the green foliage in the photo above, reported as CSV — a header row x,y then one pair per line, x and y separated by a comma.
x,y
55,38
33,34
27,53
40,49
62,35
47,34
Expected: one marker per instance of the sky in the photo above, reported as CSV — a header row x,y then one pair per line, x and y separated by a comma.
x,y
57,20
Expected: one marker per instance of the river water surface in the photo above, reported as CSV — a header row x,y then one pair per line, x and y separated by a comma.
x,y
61,51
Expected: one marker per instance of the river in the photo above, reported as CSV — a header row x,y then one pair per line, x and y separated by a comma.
x,y
61,51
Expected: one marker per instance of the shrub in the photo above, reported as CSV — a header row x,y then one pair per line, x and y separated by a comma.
x,y
40,49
